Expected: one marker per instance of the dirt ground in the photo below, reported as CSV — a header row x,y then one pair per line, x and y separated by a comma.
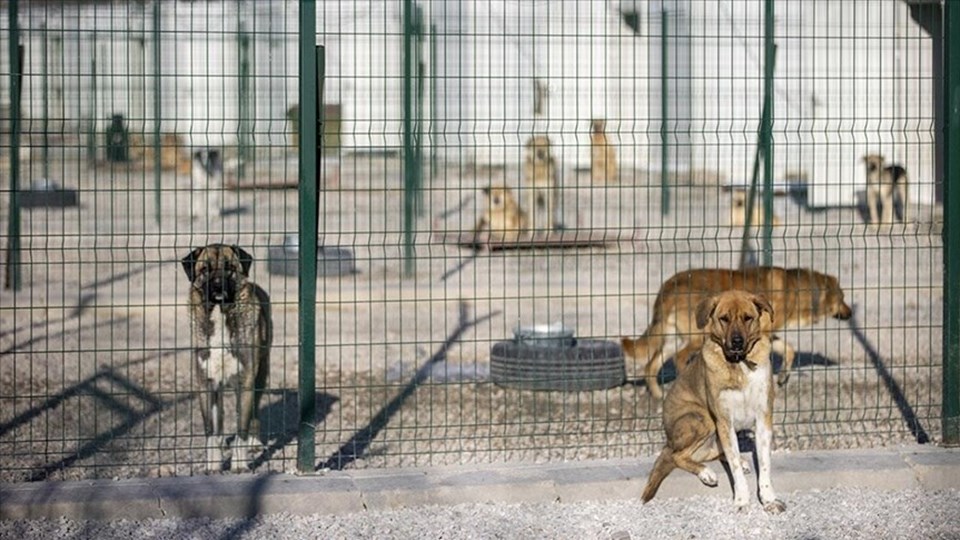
x,y
94,349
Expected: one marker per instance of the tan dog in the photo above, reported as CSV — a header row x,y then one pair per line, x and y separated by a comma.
x,y
727,387
540,181
603,155
738,211
173,156
883,183
799,297
503,220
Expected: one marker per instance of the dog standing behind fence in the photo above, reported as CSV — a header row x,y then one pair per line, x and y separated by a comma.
x,y
207,174
540,184
603,155
232,331
885,183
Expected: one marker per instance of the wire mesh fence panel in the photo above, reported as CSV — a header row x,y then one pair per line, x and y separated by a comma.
x,y
507,190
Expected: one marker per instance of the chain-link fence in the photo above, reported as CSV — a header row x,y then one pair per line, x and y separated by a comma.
x,y
503,187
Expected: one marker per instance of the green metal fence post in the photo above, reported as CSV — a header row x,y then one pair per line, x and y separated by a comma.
x,y
664,115
310,56
409,151
951,223
12,278
45,97
769,53
157,112
434,135
245,129
418,121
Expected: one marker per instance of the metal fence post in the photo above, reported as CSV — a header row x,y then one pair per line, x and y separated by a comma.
x,y
45,98
157,112
409,152
769,53
308,231
12,278
664,104
244,107
951,224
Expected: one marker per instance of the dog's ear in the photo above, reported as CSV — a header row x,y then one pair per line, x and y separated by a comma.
x,y
190,262
705,311
765,309
246,260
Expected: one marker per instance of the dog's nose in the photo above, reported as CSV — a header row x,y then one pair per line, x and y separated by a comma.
x,y
737,341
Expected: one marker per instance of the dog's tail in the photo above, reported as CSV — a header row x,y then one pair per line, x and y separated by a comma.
x,y
661,468
647,349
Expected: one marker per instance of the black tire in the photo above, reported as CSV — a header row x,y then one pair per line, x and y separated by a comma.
x,y
589,365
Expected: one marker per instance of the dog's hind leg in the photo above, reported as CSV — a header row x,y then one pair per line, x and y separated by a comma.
x,y
904,196
785,350
694,437
661,468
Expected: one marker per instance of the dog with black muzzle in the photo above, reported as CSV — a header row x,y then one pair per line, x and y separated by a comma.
x,y
232,331
726,387
207,176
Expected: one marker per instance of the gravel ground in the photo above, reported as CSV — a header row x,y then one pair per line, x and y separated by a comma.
x,y
832,514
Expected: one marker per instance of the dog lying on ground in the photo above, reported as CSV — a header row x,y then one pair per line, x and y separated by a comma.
x,y
540,182
885,184
503,220
727,386
231,331
738,210
799,297
207,174
603,155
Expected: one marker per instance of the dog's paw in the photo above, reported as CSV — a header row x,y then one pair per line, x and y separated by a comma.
x,y
783,377
775,506
708,477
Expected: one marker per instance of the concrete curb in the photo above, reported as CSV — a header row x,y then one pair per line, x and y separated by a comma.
x,y
337,492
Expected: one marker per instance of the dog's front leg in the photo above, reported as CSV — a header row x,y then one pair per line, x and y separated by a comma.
x,y
873,196
246,417
731,453
211,408
886,197
763,433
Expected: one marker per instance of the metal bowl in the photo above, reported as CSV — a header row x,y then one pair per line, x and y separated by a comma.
x,y
554,335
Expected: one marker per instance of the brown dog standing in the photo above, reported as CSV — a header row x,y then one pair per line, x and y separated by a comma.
x,y
603,155
884,182
540,181
799,297
727,386
232,331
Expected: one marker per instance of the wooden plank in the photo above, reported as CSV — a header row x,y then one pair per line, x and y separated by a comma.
x,y
554,239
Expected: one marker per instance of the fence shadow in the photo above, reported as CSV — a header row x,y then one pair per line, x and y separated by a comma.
x,y
280,421
358,444
896,393
91,387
